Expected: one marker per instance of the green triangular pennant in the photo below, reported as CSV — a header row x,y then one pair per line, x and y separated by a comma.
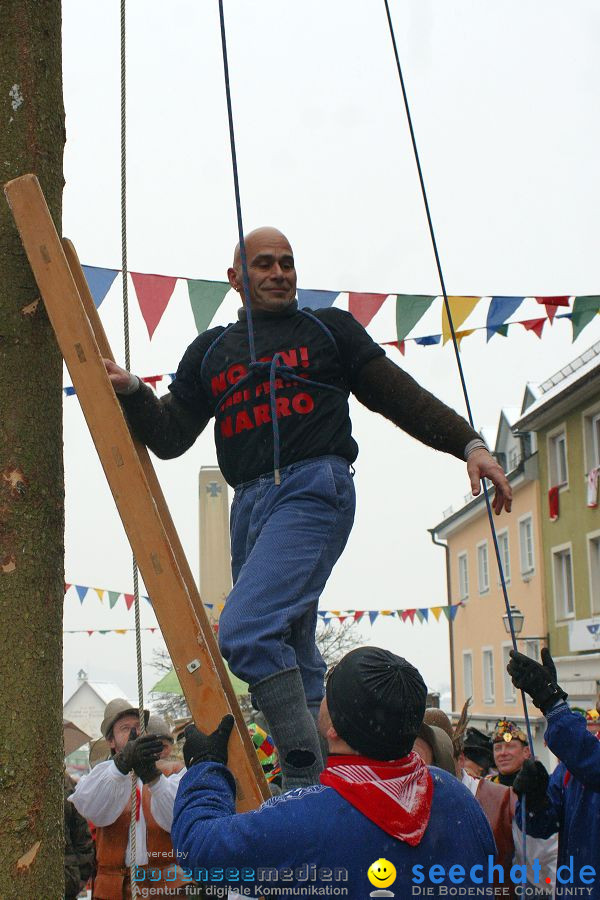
x,y
409,309
113,596
584,310
205,299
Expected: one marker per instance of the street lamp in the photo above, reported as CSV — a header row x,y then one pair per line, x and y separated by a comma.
x,y
518,618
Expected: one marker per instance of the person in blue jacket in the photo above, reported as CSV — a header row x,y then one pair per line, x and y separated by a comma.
x,y
379,823
568,802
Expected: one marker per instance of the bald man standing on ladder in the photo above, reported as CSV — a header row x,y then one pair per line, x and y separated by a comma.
x,y
284,442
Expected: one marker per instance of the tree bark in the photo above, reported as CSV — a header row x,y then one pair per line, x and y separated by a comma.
x,y
31,472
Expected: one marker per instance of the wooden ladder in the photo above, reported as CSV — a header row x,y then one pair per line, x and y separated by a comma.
x,y
175,598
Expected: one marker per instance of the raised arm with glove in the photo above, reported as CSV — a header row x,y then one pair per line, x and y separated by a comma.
x,y
536,679
140,754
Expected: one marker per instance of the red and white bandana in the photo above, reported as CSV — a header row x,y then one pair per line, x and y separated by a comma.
x,y
395,794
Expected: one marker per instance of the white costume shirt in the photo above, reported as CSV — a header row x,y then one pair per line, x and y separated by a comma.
x,y
102,796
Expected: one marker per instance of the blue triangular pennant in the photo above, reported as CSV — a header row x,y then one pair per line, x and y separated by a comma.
x,y
316,299
428,340
99,282
501,308
81,591
373,615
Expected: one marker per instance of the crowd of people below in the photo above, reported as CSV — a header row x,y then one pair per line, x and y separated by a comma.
x,y
441,804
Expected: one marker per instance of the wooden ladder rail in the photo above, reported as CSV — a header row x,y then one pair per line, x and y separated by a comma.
x,y
139,499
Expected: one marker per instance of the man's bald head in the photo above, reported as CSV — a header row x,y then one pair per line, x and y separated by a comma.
x,y
264,235
271,270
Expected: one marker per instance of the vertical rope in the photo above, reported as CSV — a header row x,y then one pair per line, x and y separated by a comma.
x,y
236,186
124,269
454,343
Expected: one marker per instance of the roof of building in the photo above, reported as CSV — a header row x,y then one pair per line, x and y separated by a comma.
x,y
566,381
106,691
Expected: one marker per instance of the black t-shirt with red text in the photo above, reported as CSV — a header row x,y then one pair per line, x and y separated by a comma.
x,y
313,420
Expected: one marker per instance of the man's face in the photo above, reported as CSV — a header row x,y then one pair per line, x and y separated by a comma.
x,y
166,750
271,271
324,719
509,756
594,727
472,768
424,750
121,730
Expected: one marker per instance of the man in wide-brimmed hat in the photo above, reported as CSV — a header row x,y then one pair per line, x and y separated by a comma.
x,y
104,797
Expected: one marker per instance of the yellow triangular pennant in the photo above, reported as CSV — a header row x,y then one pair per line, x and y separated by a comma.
x,y
437,611
463,334
460,309
100,592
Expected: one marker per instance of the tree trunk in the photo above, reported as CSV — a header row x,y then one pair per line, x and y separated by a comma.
x,y
31,472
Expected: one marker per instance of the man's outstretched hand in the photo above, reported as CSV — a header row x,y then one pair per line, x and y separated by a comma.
x,y
481,464
200,747
122,381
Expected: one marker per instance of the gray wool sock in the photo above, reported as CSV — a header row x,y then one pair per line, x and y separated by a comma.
x,y
314,711
282,701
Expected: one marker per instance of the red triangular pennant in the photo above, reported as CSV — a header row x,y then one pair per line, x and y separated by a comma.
x,y
400,345
129,598
152,380
536,325
364,306
553,301
67,586
153,293
358,614
552,304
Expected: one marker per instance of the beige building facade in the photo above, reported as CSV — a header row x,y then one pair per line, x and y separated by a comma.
x,y
479,642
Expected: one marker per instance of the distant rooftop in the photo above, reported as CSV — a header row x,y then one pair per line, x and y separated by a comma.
x,y
571,367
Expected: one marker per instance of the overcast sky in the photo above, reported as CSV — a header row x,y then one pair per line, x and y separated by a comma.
x,y
504,100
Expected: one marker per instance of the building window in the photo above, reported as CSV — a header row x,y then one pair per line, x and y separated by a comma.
x,y
594,563
468,673
513,459
564,597
557,451
532,649
510,693
488,676
463,577
504,548
591,433
526,545
483,569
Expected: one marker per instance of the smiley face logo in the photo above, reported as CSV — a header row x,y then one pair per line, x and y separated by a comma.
x,y
381,873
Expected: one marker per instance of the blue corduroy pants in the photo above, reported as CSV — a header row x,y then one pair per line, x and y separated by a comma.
x,y
285,540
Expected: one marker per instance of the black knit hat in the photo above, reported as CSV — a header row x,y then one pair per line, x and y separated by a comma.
x,y
376,701
478,747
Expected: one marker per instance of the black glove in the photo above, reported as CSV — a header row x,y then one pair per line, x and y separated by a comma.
x,y
201,747
139,753
532,783
147,750
538,680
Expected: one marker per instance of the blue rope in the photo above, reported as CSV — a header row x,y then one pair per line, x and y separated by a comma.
x,y
455,345
236,184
